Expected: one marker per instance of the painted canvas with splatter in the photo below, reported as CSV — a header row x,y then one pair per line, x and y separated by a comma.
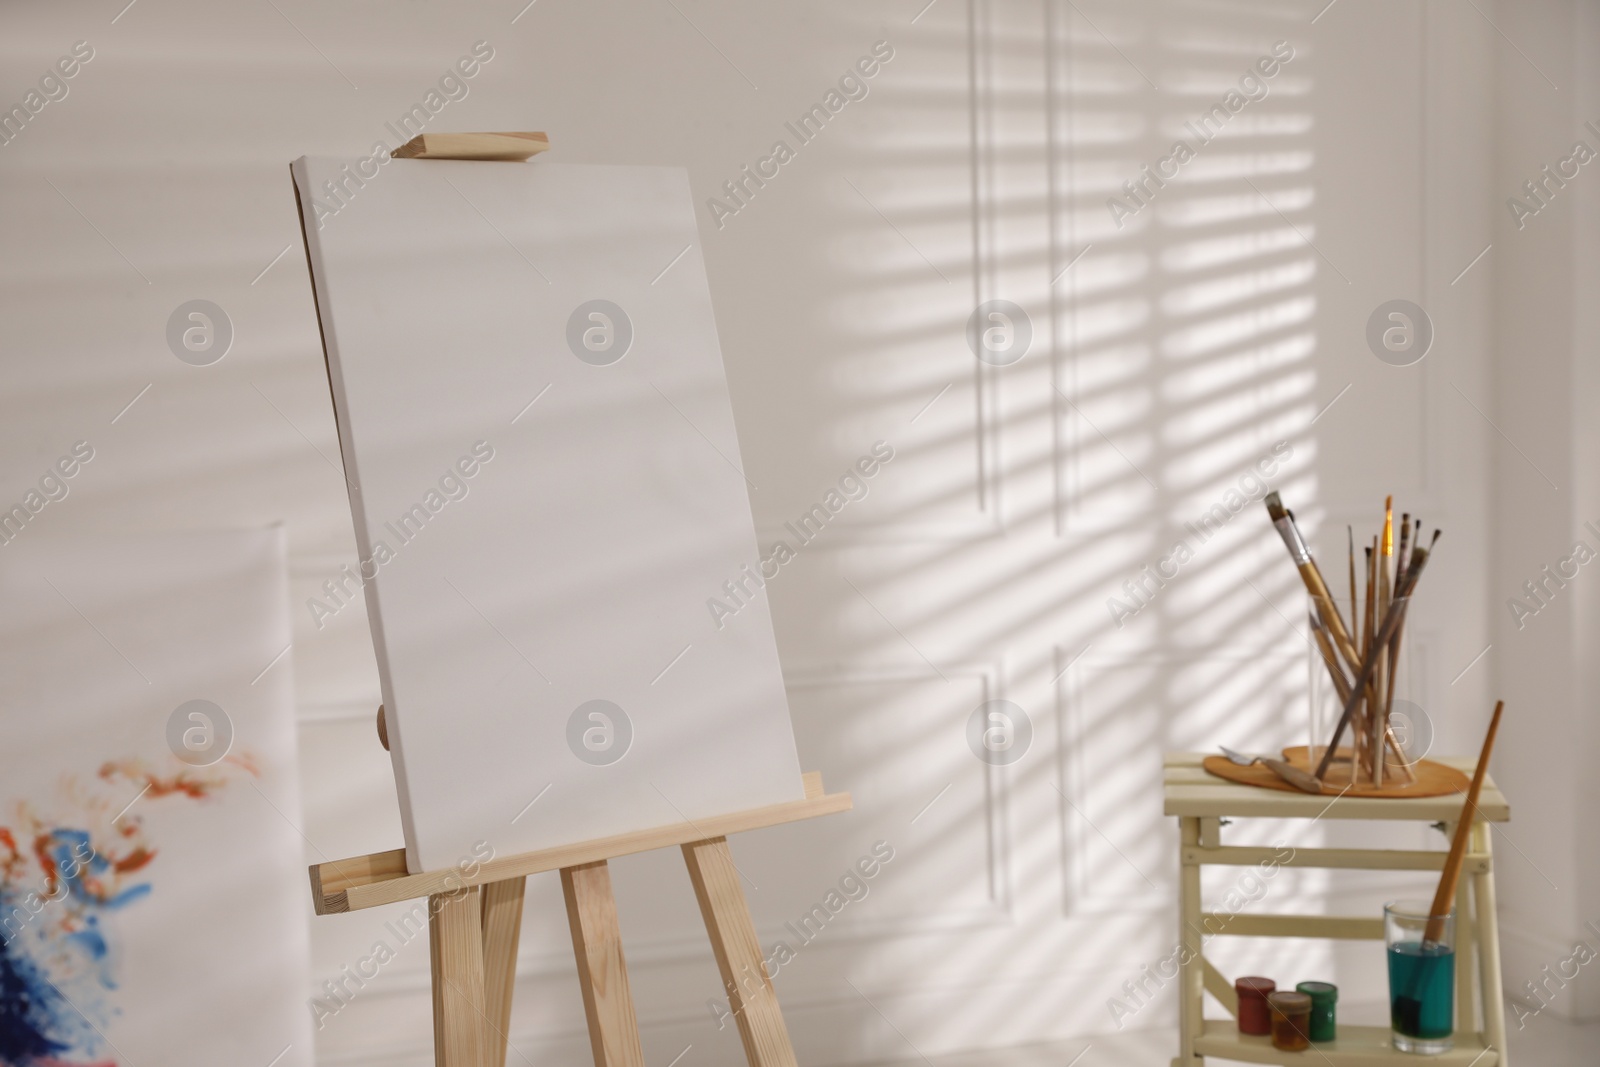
x,y
151,881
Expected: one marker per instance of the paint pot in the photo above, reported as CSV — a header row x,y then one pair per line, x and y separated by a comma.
x,y
1254,1016
1324,995
1291,1021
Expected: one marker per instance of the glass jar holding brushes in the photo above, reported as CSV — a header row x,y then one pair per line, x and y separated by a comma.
x,y
1357,644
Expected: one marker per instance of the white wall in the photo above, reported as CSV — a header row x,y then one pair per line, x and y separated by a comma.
x,y
1546,489
1172,355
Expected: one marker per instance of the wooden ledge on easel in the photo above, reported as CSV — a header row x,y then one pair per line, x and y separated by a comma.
x,y
514,147
381,877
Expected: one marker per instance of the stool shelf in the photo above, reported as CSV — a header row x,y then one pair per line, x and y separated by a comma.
x,y
1358,1046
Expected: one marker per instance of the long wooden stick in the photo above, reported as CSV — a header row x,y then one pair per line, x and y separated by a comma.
x,y
1446,895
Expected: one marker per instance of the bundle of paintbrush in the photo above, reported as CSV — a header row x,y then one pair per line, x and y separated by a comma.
x,y
1362,654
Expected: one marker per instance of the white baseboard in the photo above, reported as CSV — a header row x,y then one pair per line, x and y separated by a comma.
x,y
1564,972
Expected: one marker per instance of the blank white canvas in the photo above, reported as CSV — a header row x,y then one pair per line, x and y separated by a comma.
x,y
577,564
205,959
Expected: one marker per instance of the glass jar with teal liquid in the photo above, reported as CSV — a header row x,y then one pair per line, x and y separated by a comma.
x,y
1422,978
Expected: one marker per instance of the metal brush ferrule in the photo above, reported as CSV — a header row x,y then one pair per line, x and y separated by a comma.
x,y
1291,537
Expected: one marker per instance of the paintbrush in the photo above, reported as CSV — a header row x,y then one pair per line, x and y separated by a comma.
x,y
1388,528
1394,653
1380,679
1355,621
1391,622
1400,553
1351,534
1301,554
1445,897
1416,540
1367,709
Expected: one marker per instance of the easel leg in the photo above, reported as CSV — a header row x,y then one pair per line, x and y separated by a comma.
x,y
502,930
455,942
597,942
733,939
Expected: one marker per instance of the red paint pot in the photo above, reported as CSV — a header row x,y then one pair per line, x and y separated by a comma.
x,y
1254,1016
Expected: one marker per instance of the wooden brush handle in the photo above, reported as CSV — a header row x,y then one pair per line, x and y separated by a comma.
x,y
1341,684
1445,897
1301,780
1329,612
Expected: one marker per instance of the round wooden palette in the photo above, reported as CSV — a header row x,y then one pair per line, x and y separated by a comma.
x,y
1433,779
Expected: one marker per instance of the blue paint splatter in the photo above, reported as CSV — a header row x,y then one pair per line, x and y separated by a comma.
x,y
26,1013
31,1009
40,1021
57,962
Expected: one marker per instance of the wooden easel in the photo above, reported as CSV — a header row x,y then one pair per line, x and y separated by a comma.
x,y
474,925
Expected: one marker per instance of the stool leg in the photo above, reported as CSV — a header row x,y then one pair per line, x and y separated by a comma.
x,y
1466,939
1191,976
733,940
1494,1003
502,930
455,944
602,972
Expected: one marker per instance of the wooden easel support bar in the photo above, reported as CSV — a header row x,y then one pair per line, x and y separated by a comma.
x,y
380,878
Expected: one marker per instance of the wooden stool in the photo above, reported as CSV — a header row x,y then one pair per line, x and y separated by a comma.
x,y
474,924
1200,801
